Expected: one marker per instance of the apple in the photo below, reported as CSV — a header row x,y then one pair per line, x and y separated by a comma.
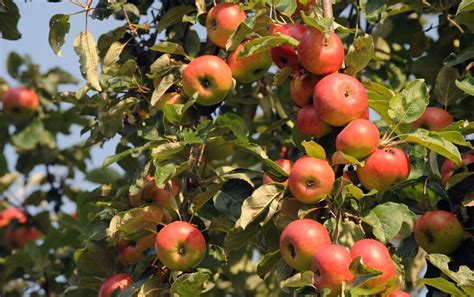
x,y
285,55
308,122
448,168
434,118
131,251
340,98
331,264
11,213
398,293
20,103
320,55
366,115
222,20
161,196
438,232
358,139
300,240
376,256
284,164
384,168
18,236
169,98
251,68
210,77
302,88
180,246
118,281
311,179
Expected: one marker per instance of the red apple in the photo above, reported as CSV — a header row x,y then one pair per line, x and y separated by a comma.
x,y
448,168
366,115
331,267
300,240
434,118
284,164
398,293
118,281
340,98
169,98
161,196
250,68
20,103
376,256
439,232
222,20
302,89
384,168
308,122
131,252
285,55
210,77
320,55
18,236
12,213
311,179
180,246
358,139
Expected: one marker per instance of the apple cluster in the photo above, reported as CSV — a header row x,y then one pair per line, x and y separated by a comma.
x,y
18,232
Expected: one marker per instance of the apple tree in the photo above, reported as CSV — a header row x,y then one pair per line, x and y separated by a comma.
x,y
264,148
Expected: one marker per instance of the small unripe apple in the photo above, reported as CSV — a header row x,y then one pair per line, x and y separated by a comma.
x,y
210,77
358,139
384,168
320,55
18,236
309,123
131,252
250,68
10,214
300,240
302,89
340,98
285,55
115,282
284,164
222,20
20,103
398,293
434,118
180,246
439,232
311,179
448,168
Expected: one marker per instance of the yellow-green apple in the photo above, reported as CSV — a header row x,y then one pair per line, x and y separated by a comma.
x,y
376,256
302,88
398,293
340,98
309,123
320,55
10,214
180,246
384,168
311,179
20,103
222,20
448,168
434,118
169,98
331,267
210,77
438,232
284,164
358,139
300,240
250,68
115,282
131,251
285,55
18,236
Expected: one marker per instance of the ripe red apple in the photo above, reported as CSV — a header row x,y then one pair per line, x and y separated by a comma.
x,y
169,98
331,267
374,255
311,179
300,240
398,293
434,118
448,168
320,55
285,55
308,122
284,164
18,236
302,89
222,20
438,232
210,77
251,68
12,213
358,139
20,103
366,115
180,246
161,196
118,281
340,98
384,168
131,252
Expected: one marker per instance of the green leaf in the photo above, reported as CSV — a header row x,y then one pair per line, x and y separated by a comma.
x,y
235,123
281,75
136,220
408,105
115,158
169,47
85,48
230,197
465,6
267,263
322,24
265,43
463,126
165,83
443,285
340,158
379,99
258,203
464,276
103,176
372,10
359,54
456,59
32,135
9,17
237,237
58,28
357,192
166,150
174,16
454,137
302,279
314,149
163,173
466,83
190,284
274,171
445,88
457,178
113,53
361,272
95,260
286,7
